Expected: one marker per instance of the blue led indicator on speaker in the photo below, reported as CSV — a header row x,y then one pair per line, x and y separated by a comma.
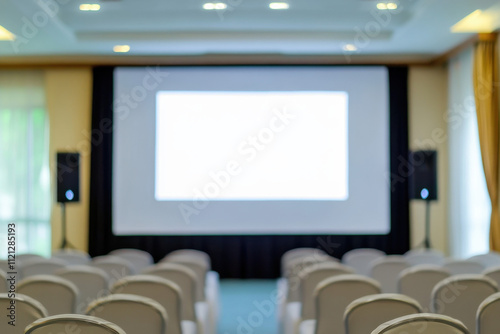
x,y
70,195
424,193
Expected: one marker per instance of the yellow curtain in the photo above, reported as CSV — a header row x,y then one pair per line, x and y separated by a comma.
x,y
485,78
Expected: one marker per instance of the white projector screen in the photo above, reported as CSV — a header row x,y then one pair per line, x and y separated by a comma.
x,y
251,150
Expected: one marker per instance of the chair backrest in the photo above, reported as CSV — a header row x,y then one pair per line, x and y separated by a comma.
x,y
488,315
459,267
296,266
491,259
58,295
25,312
365,314
493,273
165,292
418,282
311,277
140,259
3,281
40,266
459,297
193,253
361,258
334,294
386,270
92,283
81,324
425,257
116,267
296,253
20,258
4,265
72,257
197,265
133,313
422,323
185,279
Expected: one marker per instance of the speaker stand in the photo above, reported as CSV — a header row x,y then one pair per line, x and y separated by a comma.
x,y
427,239
65,243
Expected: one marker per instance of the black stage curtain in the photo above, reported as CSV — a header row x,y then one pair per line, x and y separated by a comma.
x,y
243,256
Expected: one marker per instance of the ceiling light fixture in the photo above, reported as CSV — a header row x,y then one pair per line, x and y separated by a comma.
x,y
90,7
121,48
392,6
279,5
214,6
476,22
387,5
6,35
382,6
349,48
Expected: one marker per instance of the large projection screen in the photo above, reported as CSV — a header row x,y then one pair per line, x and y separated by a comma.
x,y
251,150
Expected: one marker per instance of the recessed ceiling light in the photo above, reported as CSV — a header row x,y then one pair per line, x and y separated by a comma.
x,y
349,47
392,6
92,7
6,35
121,48
214,6
382,5
279,5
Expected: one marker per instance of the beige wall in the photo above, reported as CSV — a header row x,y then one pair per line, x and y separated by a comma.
x,y
68,97
428,103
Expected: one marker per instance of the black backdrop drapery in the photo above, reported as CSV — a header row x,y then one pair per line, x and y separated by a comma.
x,y
243,256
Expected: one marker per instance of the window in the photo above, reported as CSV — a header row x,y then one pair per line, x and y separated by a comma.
x,y
25,197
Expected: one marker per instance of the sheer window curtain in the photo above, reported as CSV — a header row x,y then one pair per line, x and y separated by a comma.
x,y
469,203
24,162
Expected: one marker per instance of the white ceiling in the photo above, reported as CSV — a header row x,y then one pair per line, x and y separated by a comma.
x,y
419,28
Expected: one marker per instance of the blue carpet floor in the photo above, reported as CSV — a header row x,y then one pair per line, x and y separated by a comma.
x,y
248,307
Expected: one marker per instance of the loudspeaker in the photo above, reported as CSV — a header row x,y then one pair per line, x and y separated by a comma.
x,y
68,177
423,175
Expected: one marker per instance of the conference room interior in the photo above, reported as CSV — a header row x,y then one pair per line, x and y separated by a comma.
x,y
267,152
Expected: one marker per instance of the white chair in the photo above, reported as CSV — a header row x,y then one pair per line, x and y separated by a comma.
x,y
20,258
72,257
75,323
422,323
140,259
332,296
133,313
304,309
361,258
493,273
58,295
116,267
185,278
3,282
386,271
193,253
418,282
425,256
296,253
92,283
27,310
365,314
459,267
488,260
165,292
459,297
488,315
4,265
40,266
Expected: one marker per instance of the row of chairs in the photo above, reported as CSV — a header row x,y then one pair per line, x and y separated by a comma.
x,y
318,286
182,284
